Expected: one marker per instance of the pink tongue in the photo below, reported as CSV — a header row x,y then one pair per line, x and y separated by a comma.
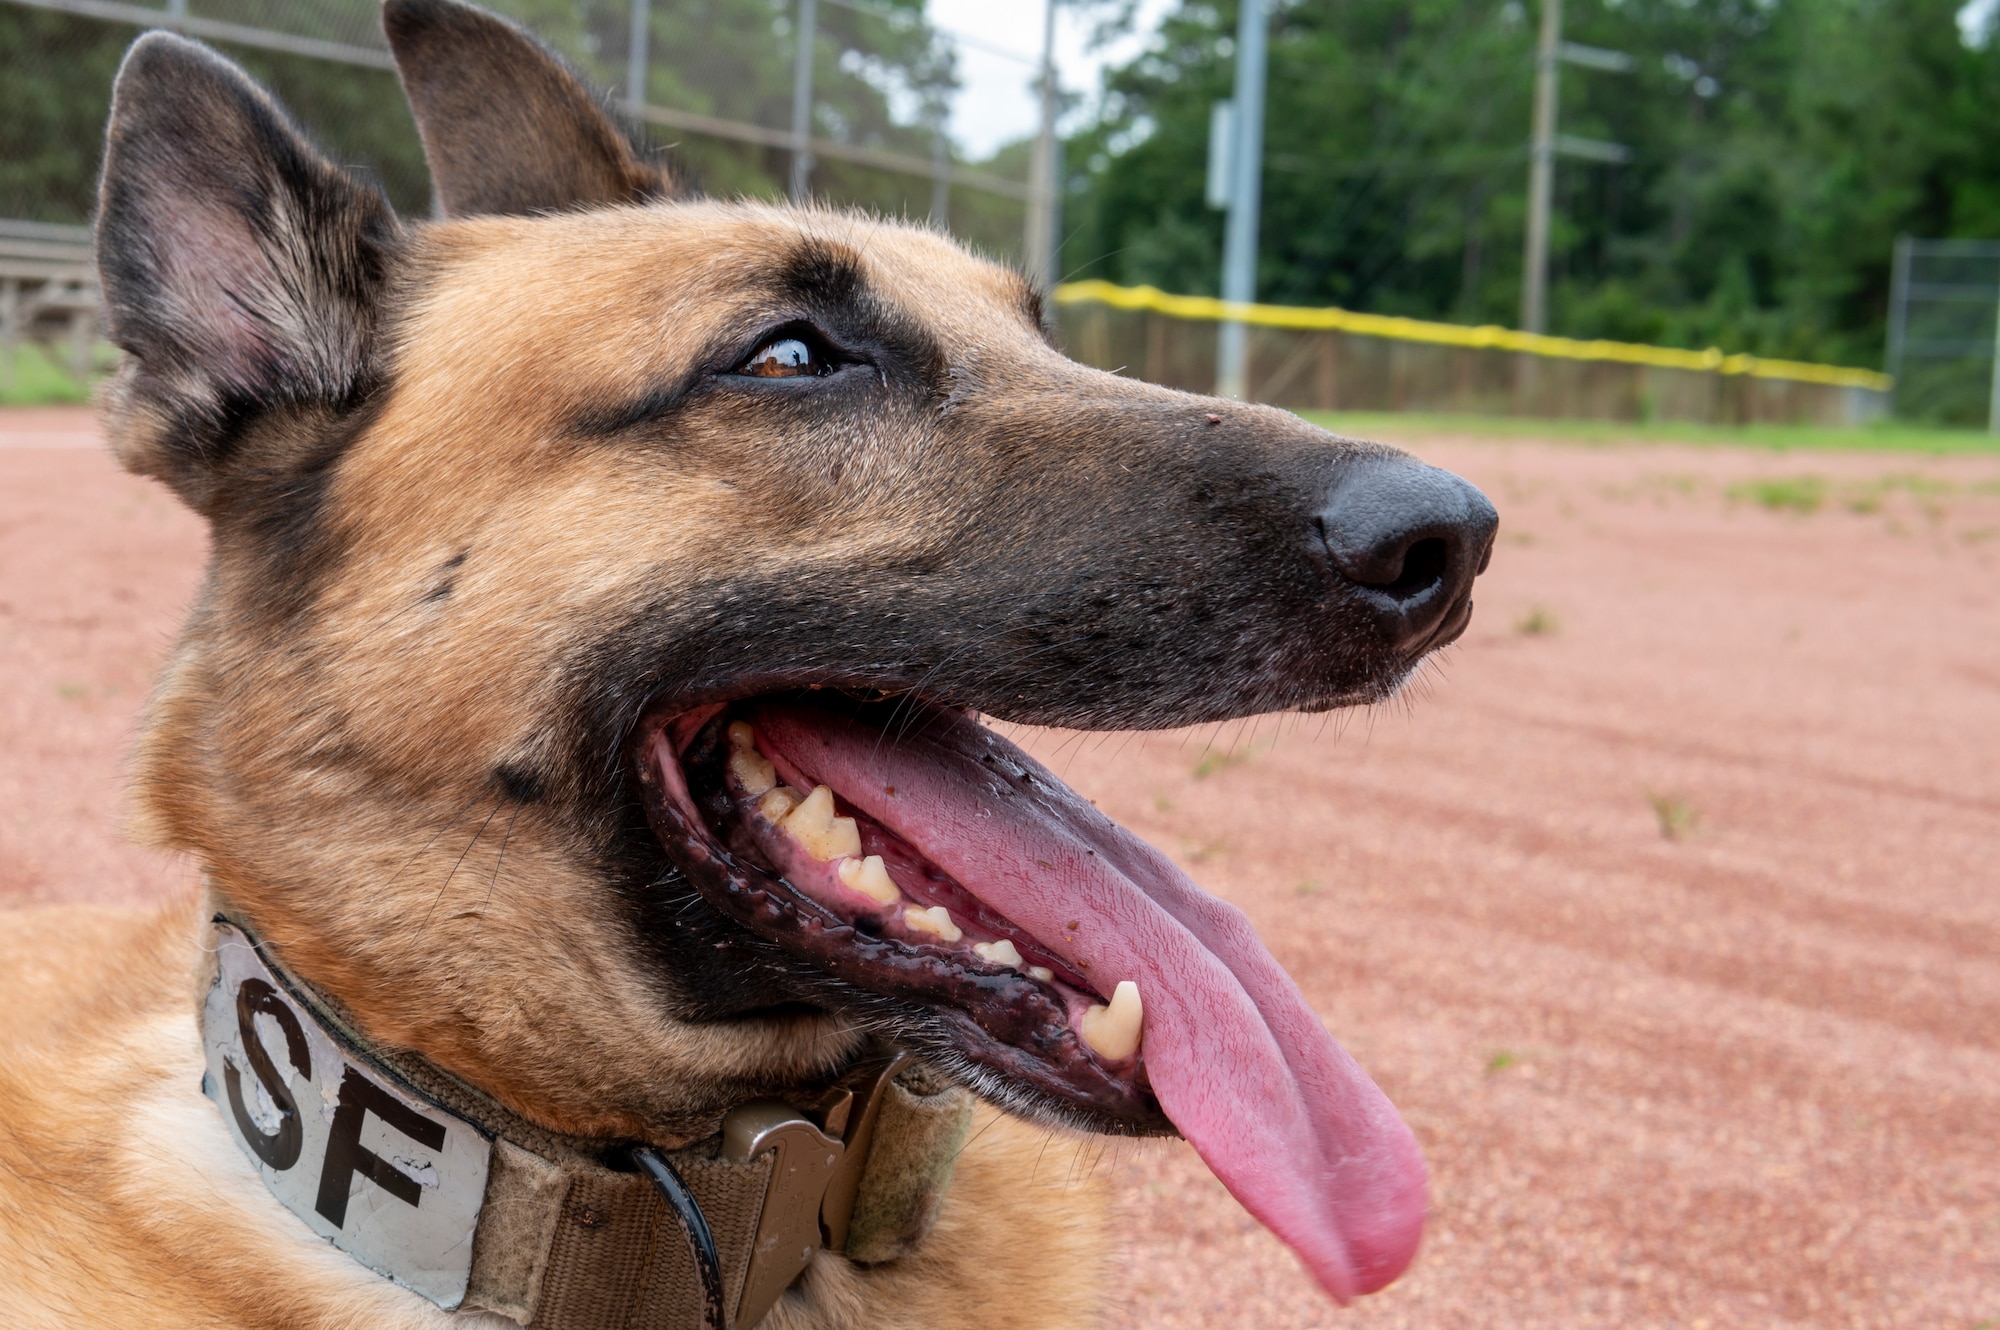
x,y
1286,1119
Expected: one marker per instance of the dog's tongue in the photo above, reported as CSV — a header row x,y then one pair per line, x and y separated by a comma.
x,y
1286,1119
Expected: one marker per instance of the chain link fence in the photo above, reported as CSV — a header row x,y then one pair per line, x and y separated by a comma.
x,y
1944,331
714,83
710,83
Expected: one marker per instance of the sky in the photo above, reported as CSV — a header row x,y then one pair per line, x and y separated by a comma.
x,y
997,103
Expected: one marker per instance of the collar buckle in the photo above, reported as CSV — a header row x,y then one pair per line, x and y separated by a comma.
x,y
814,1181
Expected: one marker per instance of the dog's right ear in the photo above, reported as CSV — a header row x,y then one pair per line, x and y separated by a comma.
x,y
240,271
507,128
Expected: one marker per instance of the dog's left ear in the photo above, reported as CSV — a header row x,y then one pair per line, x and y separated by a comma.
x,y
507,128
240,269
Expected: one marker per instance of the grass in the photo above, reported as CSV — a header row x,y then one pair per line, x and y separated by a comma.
x,y
1796,494
1882,436
1676,816
31,376
1221,759
1539,621
1502,1060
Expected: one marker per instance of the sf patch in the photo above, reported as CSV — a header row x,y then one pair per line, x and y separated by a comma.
x,y
374,1168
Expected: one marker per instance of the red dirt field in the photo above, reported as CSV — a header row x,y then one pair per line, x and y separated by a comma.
x,y
1665,905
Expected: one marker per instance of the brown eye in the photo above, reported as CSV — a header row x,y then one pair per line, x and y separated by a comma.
x,y
784,358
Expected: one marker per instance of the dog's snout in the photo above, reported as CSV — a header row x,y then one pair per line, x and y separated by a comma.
x,y
1410,538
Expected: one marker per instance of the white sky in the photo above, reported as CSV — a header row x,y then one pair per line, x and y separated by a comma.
x,y
997,103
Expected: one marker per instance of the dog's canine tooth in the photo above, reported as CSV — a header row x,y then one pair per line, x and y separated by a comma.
x,y
777,805
753,772
936,920
1113,1031
1003,952
870,878
818,832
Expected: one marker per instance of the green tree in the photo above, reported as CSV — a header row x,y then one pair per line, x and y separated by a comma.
x,y
1779,146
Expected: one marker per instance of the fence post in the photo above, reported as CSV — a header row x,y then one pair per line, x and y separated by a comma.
x,y
10,335
802,99
638,47
1899,307
1239,245
1993,391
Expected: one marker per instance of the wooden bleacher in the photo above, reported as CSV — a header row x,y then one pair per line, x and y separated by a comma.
x,y
48,291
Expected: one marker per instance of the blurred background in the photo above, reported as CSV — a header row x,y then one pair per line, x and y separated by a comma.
x,y
1664,904
1767,184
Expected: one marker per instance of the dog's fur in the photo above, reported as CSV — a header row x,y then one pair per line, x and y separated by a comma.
x,y
481,491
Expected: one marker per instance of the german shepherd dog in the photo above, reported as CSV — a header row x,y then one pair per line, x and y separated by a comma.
x,y
578,731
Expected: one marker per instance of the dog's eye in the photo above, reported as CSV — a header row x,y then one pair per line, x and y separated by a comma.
x,y
785,358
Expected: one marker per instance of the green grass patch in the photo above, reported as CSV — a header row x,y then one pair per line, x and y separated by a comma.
x,y
1676,816
1883,436
31,376
1792,494
1221,759
1539,621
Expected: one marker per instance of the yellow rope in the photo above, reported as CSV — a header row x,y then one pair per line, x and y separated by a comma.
x,y
1489,337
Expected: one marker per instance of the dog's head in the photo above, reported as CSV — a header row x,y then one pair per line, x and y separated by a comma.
x,y
603,592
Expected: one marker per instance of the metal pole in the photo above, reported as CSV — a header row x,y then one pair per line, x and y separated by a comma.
x,y
1899,313
1239,245
638,47
940,178
1993,392
802,99
1038,244
1541,173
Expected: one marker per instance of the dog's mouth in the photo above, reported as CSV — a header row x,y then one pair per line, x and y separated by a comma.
x,y
912,853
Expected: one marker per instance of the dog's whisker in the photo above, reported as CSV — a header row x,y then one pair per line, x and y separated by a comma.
x,y
446,884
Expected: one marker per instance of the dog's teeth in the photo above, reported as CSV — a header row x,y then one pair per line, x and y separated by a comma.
x,y
1113,1031
752,771
1003,952
818,832
936,920
1041,972
870,878
778,804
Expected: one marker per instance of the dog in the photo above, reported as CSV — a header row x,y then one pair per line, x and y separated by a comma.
x,y
614,910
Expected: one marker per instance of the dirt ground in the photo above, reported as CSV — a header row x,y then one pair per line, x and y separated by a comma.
x,y
1665,905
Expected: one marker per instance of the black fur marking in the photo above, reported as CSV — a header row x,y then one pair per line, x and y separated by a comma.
x,y
447,577
820,274
520,785
603,422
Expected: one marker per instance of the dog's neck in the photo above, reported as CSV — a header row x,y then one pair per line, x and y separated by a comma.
x,y
430,1182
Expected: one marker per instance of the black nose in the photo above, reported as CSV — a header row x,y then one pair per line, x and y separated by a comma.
x,y
1410,538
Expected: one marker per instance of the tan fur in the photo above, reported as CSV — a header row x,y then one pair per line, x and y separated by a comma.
x,y
124,1202
380,643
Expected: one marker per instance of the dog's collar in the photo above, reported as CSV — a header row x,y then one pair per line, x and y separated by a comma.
x,y
430,1183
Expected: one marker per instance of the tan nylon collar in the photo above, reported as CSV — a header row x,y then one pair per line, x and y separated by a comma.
x,y
564,1234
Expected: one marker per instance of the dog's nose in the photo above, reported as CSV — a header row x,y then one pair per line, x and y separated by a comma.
x,y
1410,538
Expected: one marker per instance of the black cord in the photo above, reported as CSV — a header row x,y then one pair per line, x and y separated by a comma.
x,y
695,1224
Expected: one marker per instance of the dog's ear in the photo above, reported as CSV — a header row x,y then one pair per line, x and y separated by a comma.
x,y
240,269
507,128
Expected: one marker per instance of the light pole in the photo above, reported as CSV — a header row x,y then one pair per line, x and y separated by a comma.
x,y
1038,244
1541,173
802,100
1246,185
